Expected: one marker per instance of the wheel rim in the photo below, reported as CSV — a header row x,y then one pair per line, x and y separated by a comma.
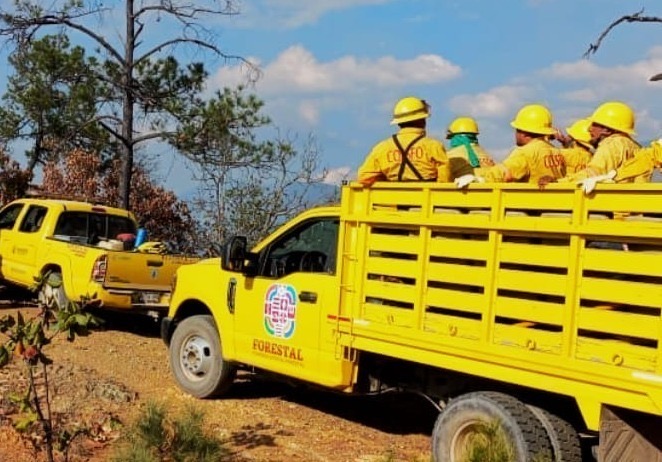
x,y
60,298
196,357
464,437
49,295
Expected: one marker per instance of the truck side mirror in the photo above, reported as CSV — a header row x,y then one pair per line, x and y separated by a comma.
x,y
234,254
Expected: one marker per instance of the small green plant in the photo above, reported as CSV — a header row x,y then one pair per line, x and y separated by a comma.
x,y
156,437
489,443
25,340
389,456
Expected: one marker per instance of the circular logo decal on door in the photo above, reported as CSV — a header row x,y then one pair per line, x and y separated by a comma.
x,y
280,309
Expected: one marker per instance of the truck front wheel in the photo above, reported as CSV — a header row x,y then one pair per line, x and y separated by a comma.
x,y
51,292
488,426
196,358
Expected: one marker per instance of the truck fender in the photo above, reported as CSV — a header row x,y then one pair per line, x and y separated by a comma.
x,y
197,307
61,265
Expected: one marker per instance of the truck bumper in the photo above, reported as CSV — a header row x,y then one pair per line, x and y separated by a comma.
x,y
149,302
166,329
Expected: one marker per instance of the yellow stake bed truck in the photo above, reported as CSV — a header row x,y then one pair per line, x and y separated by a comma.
x,y
536,312
73,243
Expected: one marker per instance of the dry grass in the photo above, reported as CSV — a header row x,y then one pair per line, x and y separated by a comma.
x,y
489,444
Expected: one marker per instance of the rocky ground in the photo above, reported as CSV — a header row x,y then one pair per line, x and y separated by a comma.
x,y
101,383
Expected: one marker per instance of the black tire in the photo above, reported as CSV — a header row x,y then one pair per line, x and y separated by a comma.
x,y
52,293
564,439
466,417
196,358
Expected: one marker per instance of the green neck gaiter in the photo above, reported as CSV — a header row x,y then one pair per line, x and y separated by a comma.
x,y
466,139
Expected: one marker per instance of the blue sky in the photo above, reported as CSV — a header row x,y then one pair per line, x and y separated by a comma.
x,y
335,68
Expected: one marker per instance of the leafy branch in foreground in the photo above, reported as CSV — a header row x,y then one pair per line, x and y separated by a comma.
x,y
25,341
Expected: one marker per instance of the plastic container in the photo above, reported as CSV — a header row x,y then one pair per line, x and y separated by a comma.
x,y
141,237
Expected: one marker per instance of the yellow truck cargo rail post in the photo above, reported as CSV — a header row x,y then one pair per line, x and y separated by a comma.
x,y
540,310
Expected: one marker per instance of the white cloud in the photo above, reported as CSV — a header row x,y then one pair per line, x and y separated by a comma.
x,y
297,71
631,74
497,102
577,70
335,176
309,111
570,90
585,95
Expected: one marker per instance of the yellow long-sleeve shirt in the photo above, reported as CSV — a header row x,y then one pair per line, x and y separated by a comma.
x,y
641,165
576,158
427,155
458,158
610,154
528,163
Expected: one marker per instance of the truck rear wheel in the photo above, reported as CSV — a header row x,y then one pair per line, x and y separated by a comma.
x,y
51,292
564,439
196,358
490,425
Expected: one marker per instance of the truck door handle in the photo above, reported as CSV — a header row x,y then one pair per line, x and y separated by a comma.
x,y
154,262
232,292
308,297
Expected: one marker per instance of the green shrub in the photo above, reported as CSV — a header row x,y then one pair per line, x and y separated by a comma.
x,y
155,437
26,340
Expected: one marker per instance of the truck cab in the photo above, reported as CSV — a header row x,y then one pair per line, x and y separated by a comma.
x,y
280,299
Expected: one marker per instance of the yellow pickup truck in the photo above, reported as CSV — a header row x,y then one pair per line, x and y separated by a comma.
x,y
75,244
538,312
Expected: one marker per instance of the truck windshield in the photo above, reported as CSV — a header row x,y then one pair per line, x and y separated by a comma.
x,y
308,248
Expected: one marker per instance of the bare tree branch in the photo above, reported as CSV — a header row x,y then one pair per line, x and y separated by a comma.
x,y
636,17
187,11
168,43
153,135
29,26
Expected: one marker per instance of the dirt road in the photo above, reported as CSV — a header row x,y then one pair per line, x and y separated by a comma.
x,y
110,375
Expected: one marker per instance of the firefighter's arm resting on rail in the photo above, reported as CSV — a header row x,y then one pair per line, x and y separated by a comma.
x,y
640,166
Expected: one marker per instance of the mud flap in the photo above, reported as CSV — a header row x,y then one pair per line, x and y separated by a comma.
x,y
628,435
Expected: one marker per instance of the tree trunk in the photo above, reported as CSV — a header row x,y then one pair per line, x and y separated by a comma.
x,y
127,110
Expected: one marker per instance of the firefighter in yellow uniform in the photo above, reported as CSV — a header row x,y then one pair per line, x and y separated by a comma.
x,y
465,154
612,128
642,165
533,158
409,155
579,152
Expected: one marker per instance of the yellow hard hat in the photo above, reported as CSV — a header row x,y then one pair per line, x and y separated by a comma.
x,y
462,125
410,108
615,115
534,118
579,131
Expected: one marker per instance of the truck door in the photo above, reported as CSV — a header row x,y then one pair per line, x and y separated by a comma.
x,y
280,312
28,240
8,218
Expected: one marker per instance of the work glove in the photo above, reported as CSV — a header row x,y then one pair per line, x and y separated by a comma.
x,y
464,180
588,184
